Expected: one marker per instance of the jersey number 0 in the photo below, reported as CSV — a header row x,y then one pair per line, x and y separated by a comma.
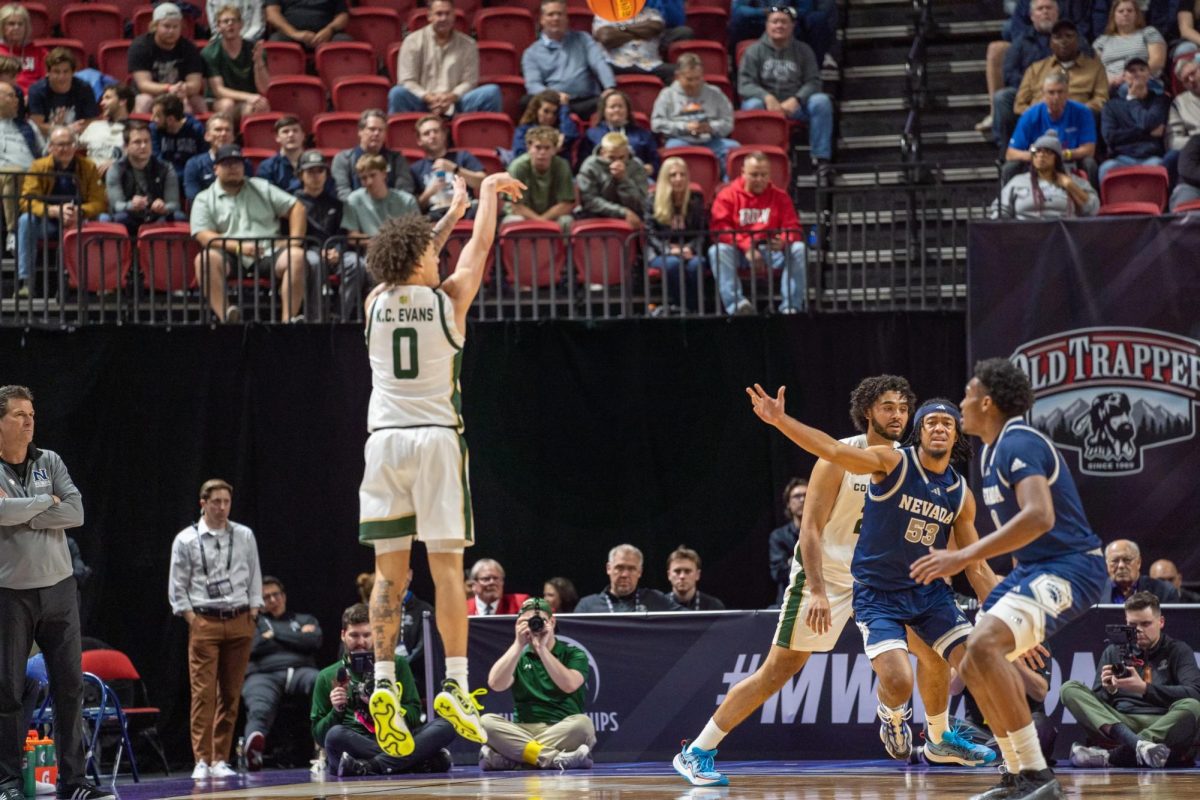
x,y
405,365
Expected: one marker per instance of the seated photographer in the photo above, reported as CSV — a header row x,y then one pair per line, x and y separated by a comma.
x,y
1146,697
341,714
549,729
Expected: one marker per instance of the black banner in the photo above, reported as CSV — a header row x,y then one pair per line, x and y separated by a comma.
x,y
657,678
1102,315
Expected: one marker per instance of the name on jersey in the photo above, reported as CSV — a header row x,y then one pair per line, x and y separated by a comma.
x,y
925,508
404,315
992,496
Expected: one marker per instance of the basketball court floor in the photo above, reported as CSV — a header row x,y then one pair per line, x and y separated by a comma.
x,y
762,780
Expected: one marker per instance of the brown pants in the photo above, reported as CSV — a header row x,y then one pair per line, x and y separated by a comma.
x,y
536,744
218,651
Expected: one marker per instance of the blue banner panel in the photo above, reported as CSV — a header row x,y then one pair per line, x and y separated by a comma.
x,y
657,678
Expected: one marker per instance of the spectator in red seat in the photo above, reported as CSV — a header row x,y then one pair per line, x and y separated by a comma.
x,y
1048,190
675,223
1133,125
434,174
612,183
1128,36
571,63
490,598
282,169
163,62
20,144
1073,123
550,187
547,109
690,112
254,28
140,187
60,98
616,115
16,40
755,225
632,45
323,211
1124,560
237,67
177,136
307,22
372,141
438,70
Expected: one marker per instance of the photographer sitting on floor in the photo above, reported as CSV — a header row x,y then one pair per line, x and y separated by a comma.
x,y
1146,697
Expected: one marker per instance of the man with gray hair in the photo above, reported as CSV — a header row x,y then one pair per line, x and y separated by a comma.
x,y
1124,561
487,581
1072,121
38,502
622,594
692,113
372,141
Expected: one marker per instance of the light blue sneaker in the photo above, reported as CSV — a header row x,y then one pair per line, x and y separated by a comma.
x,y
696,766
955,748
896,736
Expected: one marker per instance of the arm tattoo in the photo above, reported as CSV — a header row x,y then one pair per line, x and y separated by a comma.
x,y
442,231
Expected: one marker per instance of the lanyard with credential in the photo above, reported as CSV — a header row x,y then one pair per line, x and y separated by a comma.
x,y
204,558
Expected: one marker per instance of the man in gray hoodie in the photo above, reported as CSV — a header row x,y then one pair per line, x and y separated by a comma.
x,y
780,73
689,112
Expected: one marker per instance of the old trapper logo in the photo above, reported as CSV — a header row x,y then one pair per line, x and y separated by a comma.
x,y
1112,393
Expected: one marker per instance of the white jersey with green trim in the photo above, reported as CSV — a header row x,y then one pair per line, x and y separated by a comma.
x,y
840,535
415,350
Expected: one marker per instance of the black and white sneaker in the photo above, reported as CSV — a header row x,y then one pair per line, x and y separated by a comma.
x,y
83,791
13,791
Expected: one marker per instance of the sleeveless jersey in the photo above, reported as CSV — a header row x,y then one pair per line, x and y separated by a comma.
x,y
905,514
840,534
415,351
1018,452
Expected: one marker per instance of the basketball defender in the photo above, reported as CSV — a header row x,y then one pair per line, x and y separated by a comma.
x,y
415,482
1059,567
817,603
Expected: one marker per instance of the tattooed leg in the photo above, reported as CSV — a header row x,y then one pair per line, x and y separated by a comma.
x,y
391,573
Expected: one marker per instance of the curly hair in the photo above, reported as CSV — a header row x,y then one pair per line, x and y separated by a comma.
x,y
871,389
396,250
961,452
1006,384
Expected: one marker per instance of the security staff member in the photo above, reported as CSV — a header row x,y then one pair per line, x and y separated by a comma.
x,y
216,585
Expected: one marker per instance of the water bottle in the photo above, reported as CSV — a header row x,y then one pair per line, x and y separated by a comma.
x,y
27,765
241,755
444,196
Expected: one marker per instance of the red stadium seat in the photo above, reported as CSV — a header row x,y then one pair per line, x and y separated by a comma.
x,y
258,130
708,23
1134,185
92,23
643,90
337,60
379,26
102,251
336,129
532,253
604,251
402,129
112,58
506,24
580,19
482,129
532,6
723,83
1130,208
74,45
141,22
360,93
740,50
459,236
487,157
392,61
713,55
512,89
781,166
39,20
302,95
703,167
166,256
1191,205
285,58
412,154
257,155
419,17
498,58
761,127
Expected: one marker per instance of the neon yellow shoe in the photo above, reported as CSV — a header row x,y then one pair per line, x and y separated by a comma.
x,y
391,732
461,710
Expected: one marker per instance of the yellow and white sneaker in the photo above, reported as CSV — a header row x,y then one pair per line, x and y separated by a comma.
x,y
391,732
461,710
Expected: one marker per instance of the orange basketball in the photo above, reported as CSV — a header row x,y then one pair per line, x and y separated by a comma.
x,y
616,10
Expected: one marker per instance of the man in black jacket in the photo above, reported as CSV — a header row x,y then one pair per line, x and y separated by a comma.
x,y
140,186
1149,703
281,663
782,544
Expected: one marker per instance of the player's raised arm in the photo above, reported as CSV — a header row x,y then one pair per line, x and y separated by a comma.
x,y
878,460
464,283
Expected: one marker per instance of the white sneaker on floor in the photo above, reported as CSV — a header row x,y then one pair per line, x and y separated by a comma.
x,y
984,124
579,758
201,772
221,770
1086,757
1151,754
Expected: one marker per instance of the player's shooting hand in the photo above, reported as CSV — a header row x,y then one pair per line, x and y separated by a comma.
x,y
938,564
769,409
818,617
461,200
504,183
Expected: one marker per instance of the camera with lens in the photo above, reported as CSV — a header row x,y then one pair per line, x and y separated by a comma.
x,y
537,624
1124,638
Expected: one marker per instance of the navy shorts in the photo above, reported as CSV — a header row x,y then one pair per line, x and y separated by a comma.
x,y
1038,598
930,611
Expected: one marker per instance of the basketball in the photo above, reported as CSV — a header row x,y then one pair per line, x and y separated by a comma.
x,y
616,10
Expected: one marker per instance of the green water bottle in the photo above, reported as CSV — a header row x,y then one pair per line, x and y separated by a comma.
x,y
27,768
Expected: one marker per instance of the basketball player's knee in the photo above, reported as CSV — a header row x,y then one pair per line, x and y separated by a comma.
x,y
779,668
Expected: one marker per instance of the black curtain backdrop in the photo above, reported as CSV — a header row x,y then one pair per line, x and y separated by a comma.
x,y
582,437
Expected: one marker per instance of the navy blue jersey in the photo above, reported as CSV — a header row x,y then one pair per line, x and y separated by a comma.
x,y
906,513
1018,452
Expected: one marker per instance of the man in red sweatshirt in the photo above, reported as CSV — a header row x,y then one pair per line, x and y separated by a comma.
x,y
754,224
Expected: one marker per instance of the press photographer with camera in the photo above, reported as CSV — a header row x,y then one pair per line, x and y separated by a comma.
x,y
341,717
549,729
1146,696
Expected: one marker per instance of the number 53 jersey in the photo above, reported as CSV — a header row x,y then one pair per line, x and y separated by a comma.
x,y
415,351
909,511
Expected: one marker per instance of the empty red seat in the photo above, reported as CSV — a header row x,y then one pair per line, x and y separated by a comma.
x,y
378,26
703,167
723,83
335,129
507,24
533,253
512,89
740,50
98,257
781,166
708,23
580,19
92,23
761,127
285,58
392,61
360,93
39,20
643,90
498,58
337,60
604,251
402,129
1130,208
1134,184
166,256
713,55
482,129
258,130
257,155
112,58
302,95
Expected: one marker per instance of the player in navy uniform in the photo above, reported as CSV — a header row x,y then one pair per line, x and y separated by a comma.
x,y
1059,569
915,500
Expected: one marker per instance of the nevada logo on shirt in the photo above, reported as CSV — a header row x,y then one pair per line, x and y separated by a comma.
x,y
41,475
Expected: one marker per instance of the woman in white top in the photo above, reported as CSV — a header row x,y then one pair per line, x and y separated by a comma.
x,y
1047,191
1128,36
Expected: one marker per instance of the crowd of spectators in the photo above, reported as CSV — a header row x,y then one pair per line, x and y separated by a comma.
x,y
1115,81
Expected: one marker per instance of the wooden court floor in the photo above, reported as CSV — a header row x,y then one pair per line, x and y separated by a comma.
x,y
764,781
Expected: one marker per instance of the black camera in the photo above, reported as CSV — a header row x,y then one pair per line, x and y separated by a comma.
x,y
1124,638
536,623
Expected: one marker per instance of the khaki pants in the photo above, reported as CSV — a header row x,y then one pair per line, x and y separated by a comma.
x,y
536,743
1176,728
218,651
